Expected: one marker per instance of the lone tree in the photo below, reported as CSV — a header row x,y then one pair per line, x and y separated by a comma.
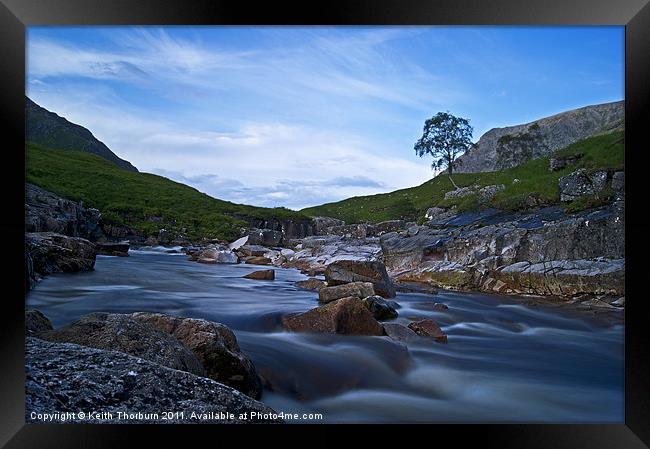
x,y
445,137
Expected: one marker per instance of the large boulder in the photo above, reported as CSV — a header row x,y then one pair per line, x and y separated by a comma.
x,y
252,250
65,377
580,182
52,253
355,289
214,344
346,271
380,308
36,322
119,332
345,316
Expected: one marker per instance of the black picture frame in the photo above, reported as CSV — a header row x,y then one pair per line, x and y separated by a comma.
x,y
634,14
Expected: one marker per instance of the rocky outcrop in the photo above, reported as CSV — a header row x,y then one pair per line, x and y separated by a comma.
x,y
579,183
49,252
347,316
89,379
315,253
321,224
118,332
36,323
214,344
507,147
353,289
544,251
261,275
47,212
265,237
346,271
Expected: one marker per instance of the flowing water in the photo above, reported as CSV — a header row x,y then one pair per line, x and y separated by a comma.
x,y
506,361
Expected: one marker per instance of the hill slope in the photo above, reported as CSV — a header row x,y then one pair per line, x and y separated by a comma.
x,y
534,182
48,129
142,201
508,147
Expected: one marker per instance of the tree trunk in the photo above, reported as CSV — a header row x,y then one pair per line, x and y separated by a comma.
x,y
449,170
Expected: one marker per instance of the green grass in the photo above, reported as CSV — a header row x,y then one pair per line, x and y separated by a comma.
x,y
142,201
599,152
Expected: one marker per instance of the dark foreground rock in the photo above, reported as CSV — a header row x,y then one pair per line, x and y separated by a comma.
x,y
113,248
36,323
428,328
214,344
50,252
64,377
346,271
118,332
380,308
261,275
344,316
354,289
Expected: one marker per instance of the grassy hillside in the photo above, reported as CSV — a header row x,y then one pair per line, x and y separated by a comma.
x,y
605,151
141,201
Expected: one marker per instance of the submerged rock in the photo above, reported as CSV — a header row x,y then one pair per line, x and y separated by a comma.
x,y
214,344
345,316
262,275
399,332
428,328
346,271
353,289
65,377
119,332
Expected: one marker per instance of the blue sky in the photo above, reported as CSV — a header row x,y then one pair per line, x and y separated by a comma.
x,y
299,116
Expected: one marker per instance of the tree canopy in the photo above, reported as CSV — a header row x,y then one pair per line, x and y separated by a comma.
x,y
445,137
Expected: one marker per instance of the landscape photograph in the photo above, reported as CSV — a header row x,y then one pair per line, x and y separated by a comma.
x,y
324,224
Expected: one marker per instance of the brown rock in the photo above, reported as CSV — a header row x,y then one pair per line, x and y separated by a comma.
x,y
346,316
428,328
262,275
346,271
258,260
215,346
311,284
354,289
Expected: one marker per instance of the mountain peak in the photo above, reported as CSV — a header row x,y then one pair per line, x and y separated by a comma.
x,y
51,130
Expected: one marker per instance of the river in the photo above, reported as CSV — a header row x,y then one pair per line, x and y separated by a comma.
x,y
507,360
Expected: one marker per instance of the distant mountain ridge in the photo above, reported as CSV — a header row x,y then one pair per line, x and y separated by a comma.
x,y
502,148
53,131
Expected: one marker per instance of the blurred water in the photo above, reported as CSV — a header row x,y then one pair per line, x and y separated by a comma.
x,y
505,361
